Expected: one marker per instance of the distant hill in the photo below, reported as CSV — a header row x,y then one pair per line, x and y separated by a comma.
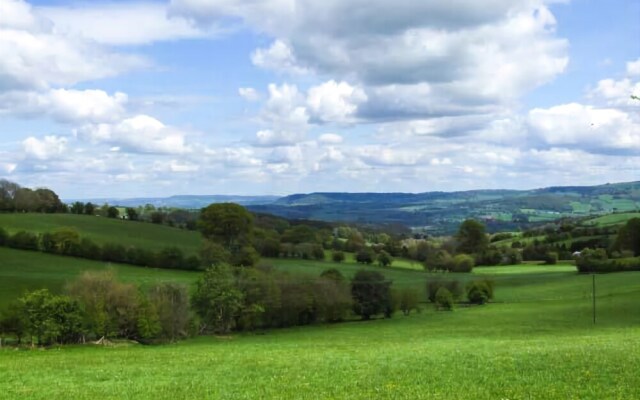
x,y
441,212
182,201
434,212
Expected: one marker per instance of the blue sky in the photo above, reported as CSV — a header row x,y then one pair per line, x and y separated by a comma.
x,y
123,99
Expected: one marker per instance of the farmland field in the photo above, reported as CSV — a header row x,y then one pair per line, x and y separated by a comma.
x,y
536,340
106,230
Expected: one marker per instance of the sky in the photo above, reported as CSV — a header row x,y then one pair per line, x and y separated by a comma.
x,y
159,98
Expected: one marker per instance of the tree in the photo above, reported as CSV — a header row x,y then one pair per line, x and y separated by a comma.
x,y
364,256
50,318
132,214
338,256
217,300
371,293
7,195
89,208
213,254
12,321
471,237
480,291
629,237
228,224
384,259
113,212
408,300
77,208
171,302
444,299
463,263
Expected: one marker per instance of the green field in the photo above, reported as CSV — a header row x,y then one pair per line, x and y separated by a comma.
x,y
535,341
29,270
105,230
612,219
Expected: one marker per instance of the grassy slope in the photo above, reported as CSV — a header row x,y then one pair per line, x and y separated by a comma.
x,y
612,219
103,230
29,270
545,348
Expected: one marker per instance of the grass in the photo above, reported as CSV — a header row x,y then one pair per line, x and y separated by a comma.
x,y
535,341
612,219
103,230
29,270
546,348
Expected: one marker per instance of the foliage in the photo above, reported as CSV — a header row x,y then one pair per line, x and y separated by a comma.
x,y
364,256
384,259
453,286
228,224
408,300
463,263
444,299
23,240
217,300
471,237
371,294
338,256
480,291
629,237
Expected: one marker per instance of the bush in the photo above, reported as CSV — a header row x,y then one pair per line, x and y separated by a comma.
x,y
338,256
444,299
480,291
550,258
364,256
4,237
371,294
408,300
384,259
596,261
114,252
452,286
463,263
23,240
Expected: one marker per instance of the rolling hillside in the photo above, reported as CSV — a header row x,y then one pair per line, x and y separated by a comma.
x,y
106,230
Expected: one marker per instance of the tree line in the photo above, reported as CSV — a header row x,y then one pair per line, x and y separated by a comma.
x,y
15,198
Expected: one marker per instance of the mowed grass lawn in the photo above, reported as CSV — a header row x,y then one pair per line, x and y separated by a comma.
x,y
537,341
106,230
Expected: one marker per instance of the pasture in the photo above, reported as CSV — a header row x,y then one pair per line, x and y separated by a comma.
x,y
535,341
106,230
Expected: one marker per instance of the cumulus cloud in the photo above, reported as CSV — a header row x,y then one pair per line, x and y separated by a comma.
x,y
36,55
585,127
277,57
633,67
330,139
448,57
126,23
65,105
44,149
335,101
249,93
141,133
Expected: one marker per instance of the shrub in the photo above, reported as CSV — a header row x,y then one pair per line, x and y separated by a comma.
x,y
480,291
4,237
364,256
170,257
371,294
338,256
453,286
551,258
23,240
114,252
444,299
88,249
463,263
384,259
408,300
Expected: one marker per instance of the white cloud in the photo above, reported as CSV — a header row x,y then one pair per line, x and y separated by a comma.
x,y
44,149
633,67
278,57
141,133
65,105
249,93
36,55
126,23
616,92
585,127
335,101
330,138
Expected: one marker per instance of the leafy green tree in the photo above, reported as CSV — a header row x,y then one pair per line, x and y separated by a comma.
x,y
7,195
171,302
132,214
217,300
384,259
364,256
333,274
480,291
23,240
228,224
463,263
213,254
332,298
629,237
444,299
408,300
147,320
89,208
471,237
50,318
371,293
77,208
338,256
299,234
113,212
12,321
4,237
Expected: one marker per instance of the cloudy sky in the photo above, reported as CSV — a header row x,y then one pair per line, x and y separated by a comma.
x,y
157,98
